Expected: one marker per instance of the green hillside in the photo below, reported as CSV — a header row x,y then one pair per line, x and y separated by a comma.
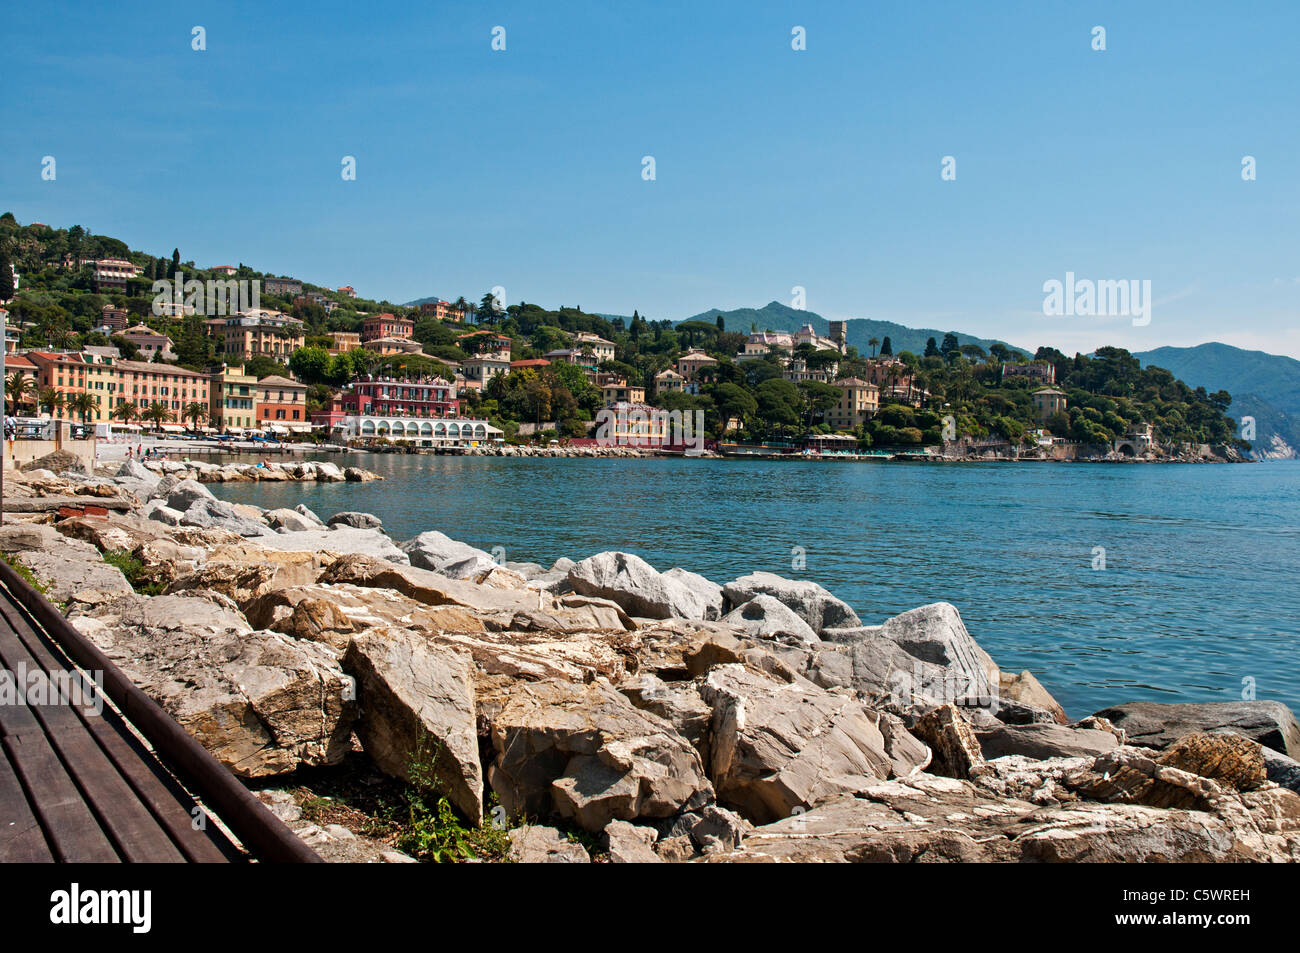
x,y
1264,386
775,316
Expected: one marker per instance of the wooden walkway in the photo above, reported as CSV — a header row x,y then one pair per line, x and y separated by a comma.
x,y
78,785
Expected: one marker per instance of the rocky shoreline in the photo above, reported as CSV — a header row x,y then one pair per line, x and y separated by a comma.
x,y
603,710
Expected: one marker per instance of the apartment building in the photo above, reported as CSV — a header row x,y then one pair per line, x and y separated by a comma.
x,y
282,287
252,333
859,402
386,325
281,403
389,397
232,398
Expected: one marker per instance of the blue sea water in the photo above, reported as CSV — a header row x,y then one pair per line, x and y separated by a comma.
x,y
1197,601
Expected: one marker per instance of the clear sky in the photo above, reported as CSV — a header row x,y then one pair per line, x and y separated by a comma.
x,y
775,168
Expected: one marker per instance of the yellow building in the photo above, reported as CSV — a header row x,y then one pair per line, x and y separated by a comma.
x,y
1048,400
232,398
859,402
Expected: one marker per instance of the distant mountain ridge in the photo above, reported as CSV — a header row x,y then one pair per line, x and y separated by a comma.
x,y
1264,386
775,316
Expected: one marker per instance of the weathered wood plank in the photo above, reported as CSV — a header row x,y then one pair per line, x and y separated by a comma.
x,y
21,839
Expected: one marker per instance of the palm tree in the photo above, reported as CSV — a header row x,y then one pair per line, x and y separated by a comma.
x,y
51,399
873,342
125,412
158,414
83,404
18,389
195,412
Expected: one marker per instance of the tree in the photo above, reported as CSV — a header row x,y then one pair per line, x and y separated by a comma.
x,y
158,414
125,412
874,342
931,348
83,404
194,412
950,346
310,364
18,388
176,259
886,347
722,324
6,278
50,399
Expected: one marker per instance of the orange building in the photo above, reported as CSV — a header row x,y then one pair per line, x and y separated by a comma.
x,y
282,403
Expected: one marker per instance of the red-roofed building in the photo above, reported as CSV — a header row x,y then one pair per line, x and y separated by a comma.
x,y
535,362
386,326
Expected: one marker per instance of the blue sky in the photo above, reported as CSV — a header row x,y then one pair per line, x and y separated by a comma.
x,y
774,168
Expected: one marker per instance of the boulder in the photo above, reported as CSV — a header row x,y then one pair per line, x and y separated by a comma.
x,y
1027,690
67,574
417,705
340,541
422,585
302,510
536,844
780,746
290,521
644,591
678,703
630,843
358,475
1040,742
921,657
812,603
261,702
218,514
245,570
185,493
1157,725
160,512
585,752
956,749
765,617
440,553
58,461
356,520
134,470
711,828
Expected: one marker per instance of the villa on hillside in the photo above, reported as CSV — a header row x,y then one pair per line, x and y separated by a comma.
x,y
1048,400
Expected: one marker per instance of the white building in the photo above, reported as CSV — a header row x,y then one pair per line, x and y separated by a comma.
x,y
420,431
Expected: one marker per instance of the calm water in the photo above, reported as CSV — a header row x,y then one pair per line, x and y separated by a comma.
x,y
1199,589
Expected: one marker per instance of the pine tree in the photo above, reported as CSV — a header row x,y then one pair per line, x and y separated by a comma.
x,y
6,278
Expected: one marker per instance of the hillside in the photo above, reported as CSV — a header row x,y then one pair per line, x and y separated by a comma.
x,y
1264,386
775,316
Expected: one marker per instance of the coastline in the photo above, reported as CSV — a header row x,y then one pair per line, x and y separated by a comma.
x,y
666,662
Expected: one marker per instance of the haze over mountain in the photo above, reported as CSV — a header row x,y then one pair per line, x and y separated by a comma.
x,y
775,316
1263,386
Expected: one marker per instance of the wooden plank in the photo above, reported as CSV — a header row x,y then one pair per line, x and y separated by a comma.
x,y
72,831
133,829
21,838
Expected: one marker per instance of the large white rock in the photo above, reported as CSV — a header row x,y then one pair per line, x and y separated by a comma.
x,y
417,704
811,602
644,591
450,557
764,617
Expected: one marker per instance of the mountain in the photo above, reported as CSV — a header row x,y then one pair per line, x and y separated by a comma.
x,y
779,317
1264,386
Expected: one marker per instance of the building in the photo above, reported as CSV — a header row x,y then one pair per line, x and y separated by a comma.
x,y
692,362
535,363
444,311
386,326
113,382
21,364
1047,401
386,345
838,331
481,369
223,269
797,369
417,431
595,345
1042,371
283,287
150,343
112,274
389,397
13,336
635,425
668,380
1139,439
485,342
253,333
281,405
345,341
587,360
314,297
347,290
896,381
859,402
115,319
232,398
616,390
